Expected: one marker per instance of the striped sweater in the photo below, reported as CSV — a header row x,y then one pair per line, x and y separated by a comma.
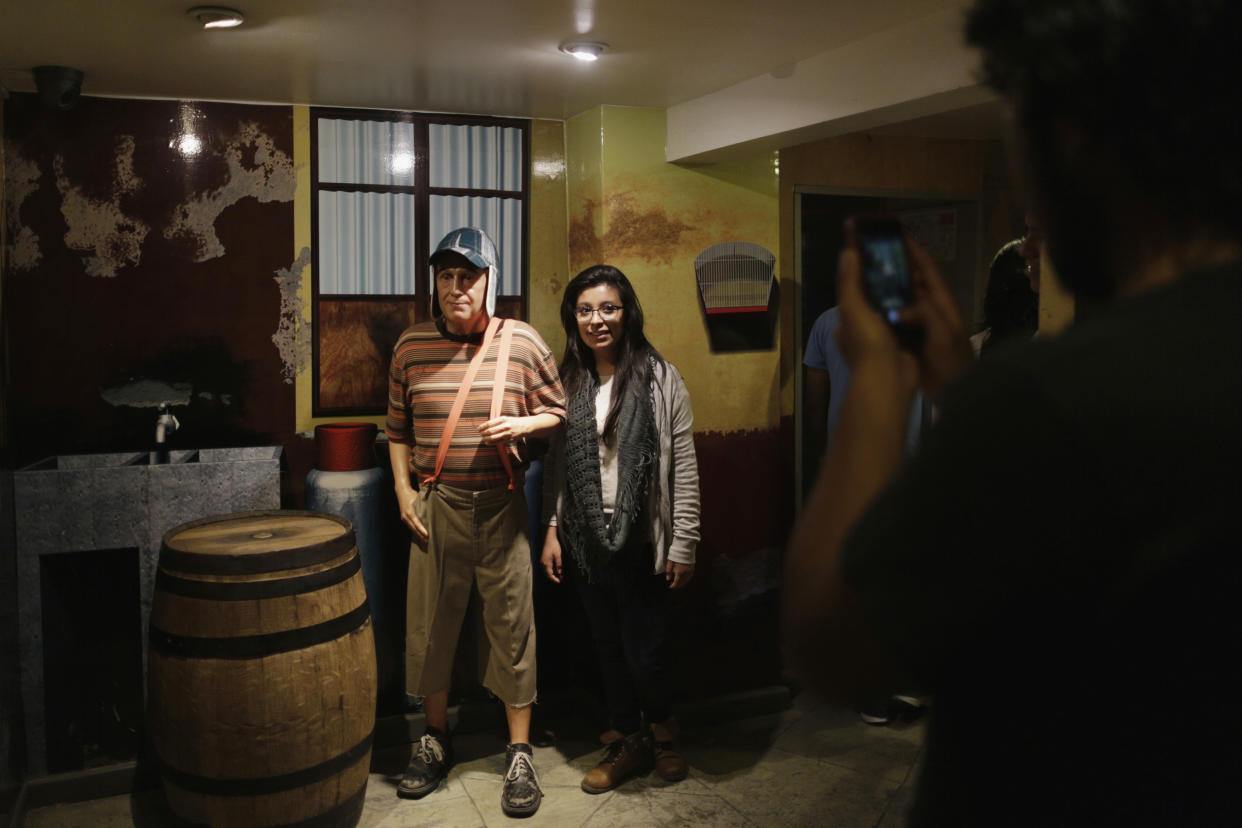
x,y
428,366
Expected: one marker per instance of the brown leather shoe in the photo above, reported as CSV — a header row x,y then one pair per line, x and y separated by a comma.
x,y
622,759
670,765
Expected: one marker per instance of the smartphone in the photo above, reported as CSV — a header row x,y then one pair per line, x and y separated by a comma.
x,y
885,270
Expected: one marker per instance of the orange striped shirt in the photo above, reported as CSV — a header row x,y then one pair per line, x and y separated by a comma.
x,y
428,367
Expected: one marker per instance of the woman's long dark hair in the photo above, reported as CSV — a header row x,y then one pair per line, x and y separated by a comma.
x,y
1010,307
634,352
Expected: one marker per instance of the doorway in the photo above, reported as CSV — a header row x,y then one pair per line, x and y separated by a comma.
x,y
949,227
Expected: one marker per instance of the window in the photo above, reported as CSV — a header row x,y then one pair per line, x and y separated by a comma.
x,y
385,188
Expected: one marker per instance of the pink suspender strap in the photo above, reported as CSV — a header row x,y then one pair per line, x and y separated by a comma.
x,y
498,392
459,402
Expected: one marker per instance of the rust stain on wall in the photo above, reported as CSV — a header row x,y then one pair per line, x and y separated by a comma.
x,y
585,248
292,336
21,178
102,227
650,234
256,169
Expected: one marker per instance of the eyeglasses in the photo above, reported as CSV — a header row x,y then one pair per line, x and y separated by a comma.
x,y
606,312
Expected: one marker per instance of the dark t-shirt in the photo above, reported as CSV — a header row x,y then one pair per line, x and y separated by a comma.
x,y
1058,567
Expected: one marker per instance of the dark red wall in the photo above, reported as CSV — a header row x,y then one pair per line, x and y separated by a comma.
x,y
173,307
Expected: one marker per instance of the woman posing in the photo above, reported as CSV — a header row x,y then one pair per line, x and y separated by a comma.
x,y
622,490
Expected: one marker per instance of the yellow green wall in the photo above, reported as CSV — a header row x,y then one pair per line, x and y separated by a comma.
x,y
631,209
548,244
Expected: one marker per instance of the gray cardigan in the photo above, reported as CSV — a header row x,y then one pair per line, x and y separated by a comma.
x,y
673,502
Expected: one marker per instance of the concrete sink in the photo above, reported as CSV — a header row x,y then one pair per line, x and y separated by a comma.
x,y
88,502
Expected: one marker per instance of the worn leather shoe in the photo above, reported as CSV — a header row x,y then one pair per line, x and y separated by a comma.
x,y
430,760
670,765
623,758
520,796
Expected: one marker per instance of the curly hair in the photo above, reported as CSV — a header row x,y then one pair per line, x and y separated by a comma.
x,y
1153,81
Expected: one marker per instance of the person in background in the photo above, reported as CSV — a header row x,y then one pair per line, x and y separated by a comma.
x,y
468,514
622,507
1028,249
1110,622
1010,306
827,377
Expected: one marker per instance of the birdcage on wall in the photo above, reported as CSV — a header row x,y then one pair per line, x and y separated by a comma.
x,y
735,277
737,288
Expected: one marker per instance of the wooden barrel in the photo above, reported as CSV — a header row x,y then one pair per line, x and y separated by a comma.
x,y
261,671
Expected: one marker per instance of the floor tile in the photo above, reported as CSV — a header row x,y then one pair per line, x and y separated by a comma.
x,y
432,812
812,765
662,808
785,789
837,735
561,807
112,812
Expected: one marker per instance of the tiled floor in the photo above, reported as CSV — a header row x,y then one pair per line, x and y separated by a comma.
x,y
811,765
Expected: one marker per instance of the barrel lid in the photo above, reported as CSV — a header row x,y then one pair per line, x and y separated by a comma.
x,y
250,542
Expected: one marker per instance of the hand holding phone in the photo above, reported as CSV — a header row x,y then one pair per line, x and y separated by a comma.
x,y
886,277
885,269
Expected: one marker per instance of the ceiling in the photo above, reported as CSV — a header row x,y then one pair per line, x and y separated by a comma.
x,y
478,56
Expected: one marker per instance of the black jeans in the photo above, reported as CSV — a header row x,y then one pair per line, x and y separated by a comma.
x,y
629,617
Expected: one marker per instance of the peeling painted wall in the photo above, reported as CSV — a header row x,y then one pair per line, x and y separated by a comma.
x,y
21,176
149,249
292,337
101,227
268,176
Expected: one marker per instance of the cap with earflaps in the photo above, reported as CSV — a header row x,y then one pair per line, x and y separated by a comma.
x,y
478,248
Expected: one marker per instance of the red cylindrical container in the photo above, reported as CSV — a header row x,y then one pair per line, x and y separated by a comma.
x,y
345,446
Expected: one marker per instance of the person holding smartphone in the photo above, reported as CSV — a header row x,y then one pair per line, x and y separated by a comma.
x,y
1107,456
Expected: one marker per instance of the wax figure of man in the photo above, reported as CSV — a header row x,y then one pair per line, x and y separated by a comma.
x,y
1066,533
468,450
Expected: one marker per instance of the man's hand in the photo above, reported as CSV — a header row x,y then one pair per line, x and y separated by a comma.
x,y
862,334
678,574
946,351
551,557
506,429
503,430
406,500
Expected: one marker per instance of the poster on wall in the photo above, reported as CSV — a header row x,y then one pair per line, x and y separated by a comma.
x,y
935,230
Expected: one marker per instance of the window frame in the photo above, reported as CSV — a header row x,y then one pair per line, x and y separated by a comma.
x,y
517,306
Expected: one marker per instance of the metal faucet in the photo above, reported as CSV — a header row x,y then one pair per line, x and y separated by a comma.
x,y
165,424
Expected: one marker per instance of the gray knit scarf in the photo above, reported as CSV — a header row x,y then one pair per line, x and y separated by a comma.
x,y
593,539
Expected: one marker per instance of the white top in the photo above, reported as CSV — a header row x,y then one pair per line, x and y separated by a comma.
x,y
608,464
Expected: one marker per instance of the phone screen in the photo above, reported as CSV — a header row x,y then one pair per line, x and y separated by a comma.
x,y
886,274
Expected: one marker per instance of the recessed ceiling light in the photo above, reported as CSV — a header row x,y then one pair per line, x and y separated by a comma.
x,y
584,49
216,17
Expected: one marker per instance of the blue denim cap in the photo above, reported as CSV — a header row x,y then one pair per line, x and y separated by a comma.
x,y
478,248
470,242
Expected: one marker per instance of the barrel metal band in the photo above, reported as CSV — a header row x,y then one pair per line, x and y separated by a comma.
x,y
268,784
263,644
256,590
272,561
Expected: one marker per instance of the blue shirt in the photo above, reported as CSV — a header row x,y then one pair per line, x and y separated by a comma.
x,y
823,354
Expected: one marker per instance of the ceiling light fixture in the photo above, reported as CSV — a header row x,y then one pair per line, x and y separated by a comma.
x,y
584,49
216,17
